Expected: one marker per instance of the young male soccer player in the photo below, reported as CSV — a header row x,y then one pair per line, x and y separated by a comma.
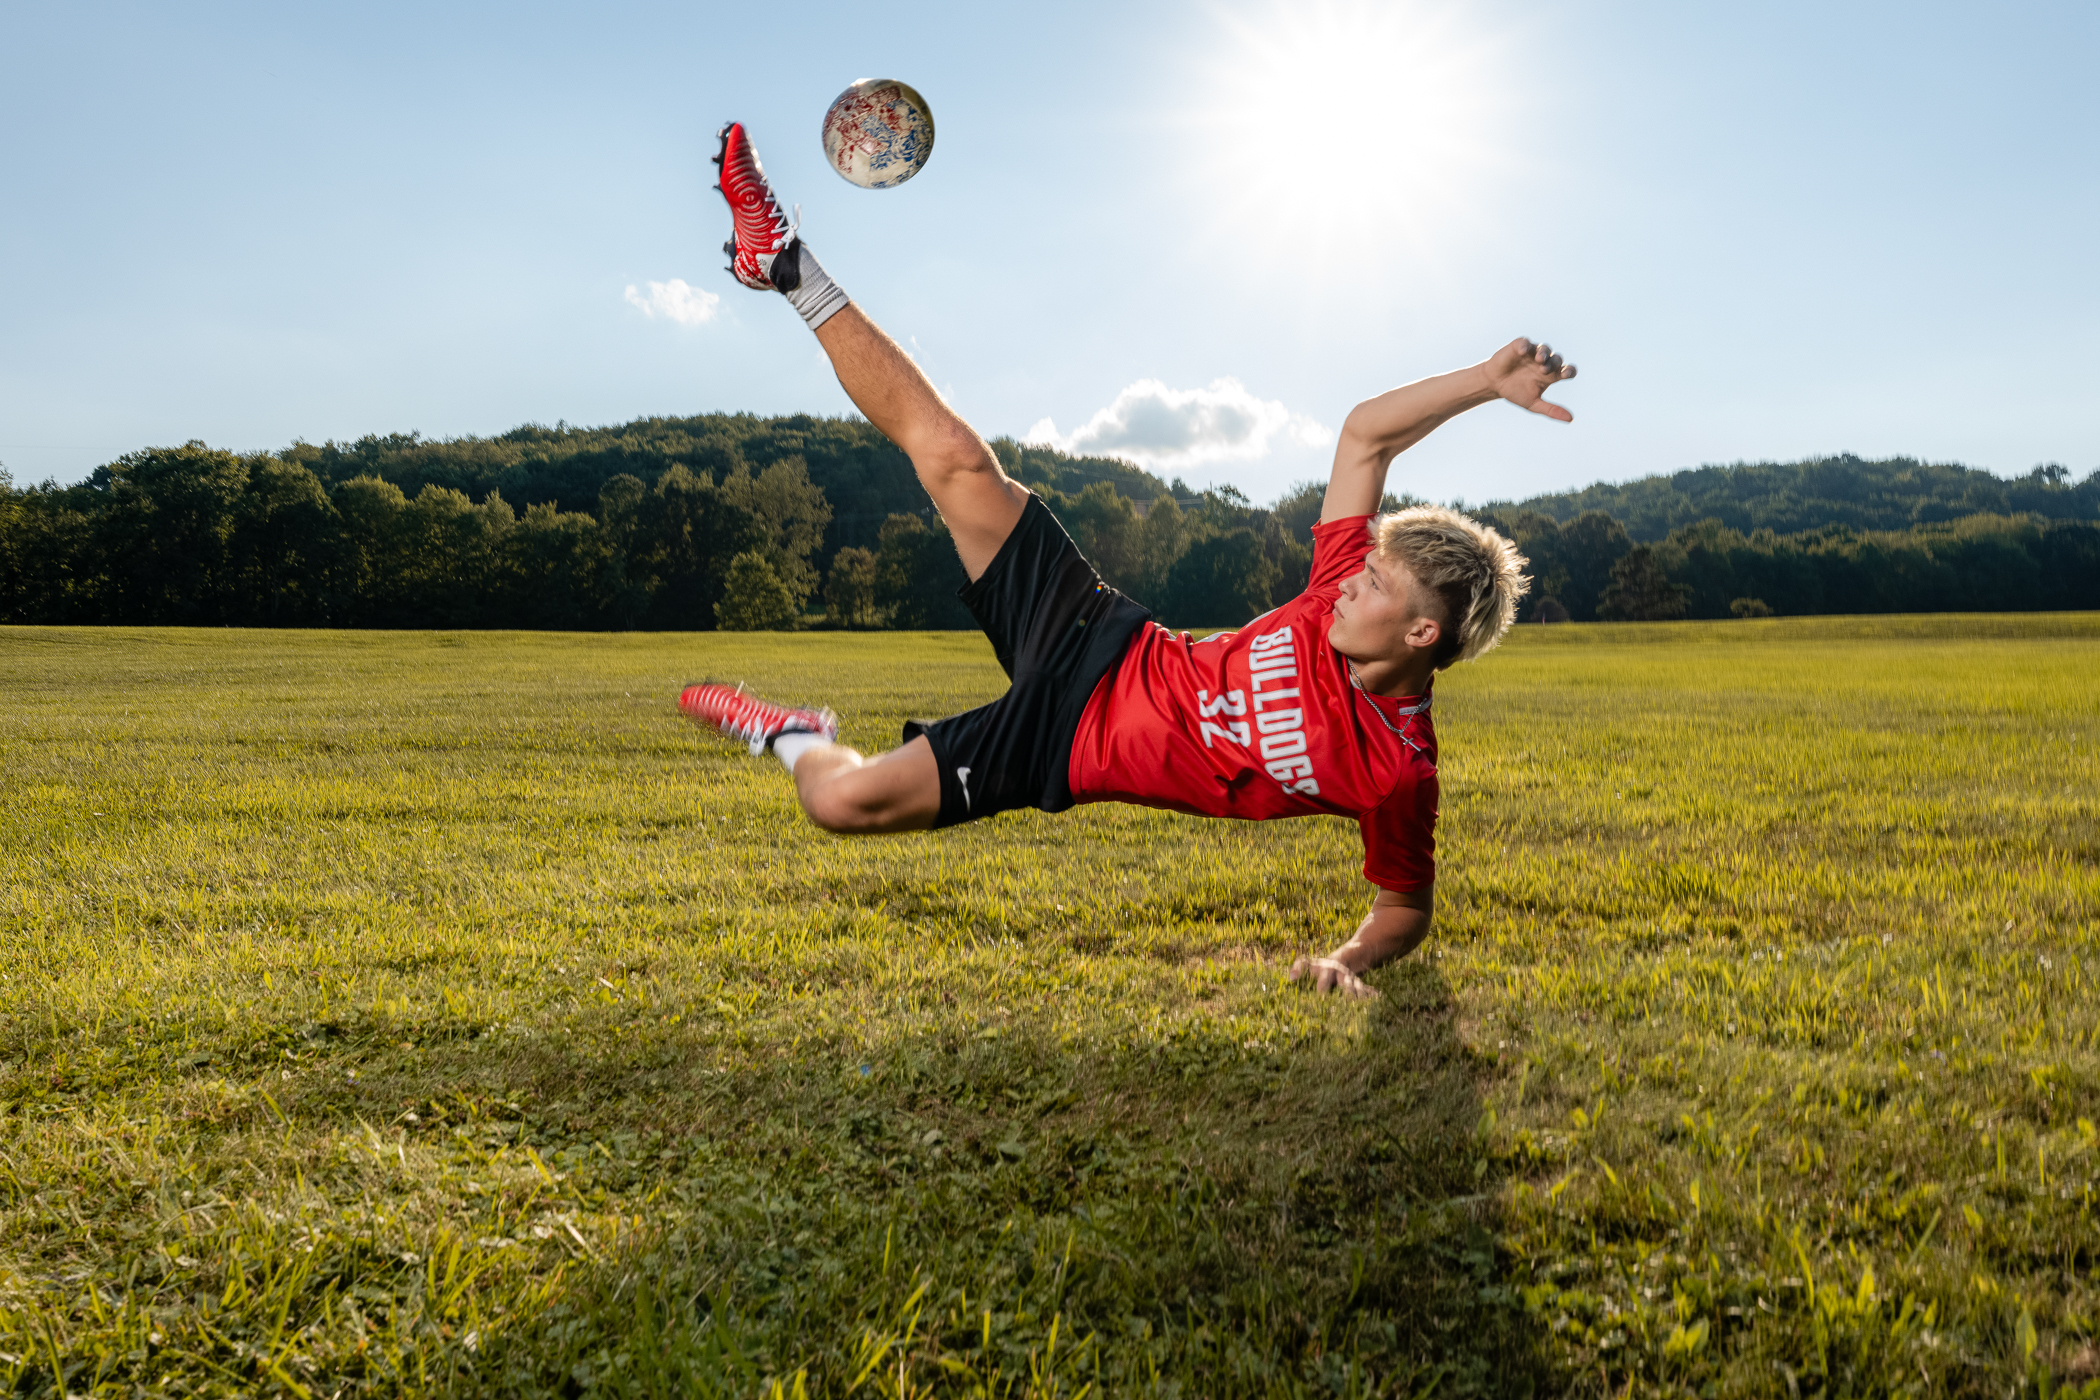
x,y
1321,705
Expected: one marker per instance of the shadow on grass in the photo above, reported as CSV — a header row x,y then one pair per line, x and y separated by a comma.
x,y
1183,1213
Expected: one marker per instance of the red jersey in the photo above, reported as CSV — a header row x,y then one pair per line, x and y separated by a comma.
x,y
1265,722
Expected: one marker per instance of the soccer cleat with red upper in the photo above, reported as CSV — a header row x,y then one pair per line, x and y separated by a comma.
x,y
761,231
745,717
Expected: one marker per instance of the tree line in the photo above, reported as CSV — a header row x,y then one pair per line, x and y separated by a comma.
x,y
1836,534
681,530
1591,569
735,521
1789,498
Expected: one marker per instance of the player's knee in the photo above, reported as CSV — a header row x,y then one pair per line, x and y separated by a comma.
x,y
836,807
822,806
955,452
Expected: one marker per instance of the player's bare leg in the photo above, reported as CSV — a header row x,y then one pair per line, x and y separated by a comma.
x,y
979,501
839,788
901,790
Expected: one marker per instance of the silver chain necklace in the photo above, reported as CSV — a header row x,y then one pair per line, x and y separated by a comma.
x,y
1377,710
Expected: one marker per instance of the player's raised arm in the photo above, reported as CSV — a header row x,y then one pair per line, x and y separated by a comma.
x,y
1378,430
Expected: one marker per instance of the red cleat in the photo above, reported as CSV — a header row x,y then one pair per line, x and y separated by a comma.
x,y
746,717
762,232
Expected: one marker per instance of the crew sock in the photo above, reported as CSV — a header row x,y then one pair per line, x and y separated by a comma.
x,y
791,746
808,288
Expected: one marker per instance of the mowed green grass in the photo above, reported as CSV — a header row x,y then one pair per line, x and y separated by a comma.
x,y
441,1014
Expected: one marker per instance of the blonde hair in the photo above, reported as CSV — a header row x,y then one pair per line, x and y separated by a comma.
x,y
1475,571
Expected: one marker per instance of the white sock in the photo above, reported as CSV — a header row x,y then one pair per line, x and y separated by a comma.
x,y
808,288
789,747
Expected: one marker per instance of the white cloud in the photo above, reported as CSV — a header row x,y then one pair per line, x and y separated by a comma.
x,y
1166,429
675,301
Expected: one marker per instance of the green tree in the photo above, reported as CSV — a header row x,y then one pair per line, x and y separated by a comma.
x,y
849,589
52,568
1165,535
287,552
436,561
376,552
1298,509
627,590
791,512
2069,552
917,575
1291,559
1220,581
1571,562
1591,546
19,538
1105,526
449,559
14,549
1641,591
553,563
754,599
1708,571
686,533
168,515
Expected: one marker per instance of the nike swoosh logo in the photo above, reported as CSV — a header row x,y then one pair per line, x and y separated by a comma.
x,y
962,775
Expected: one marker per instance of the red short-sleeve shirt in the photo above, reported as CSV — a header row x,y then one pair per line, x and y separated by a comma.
x,y
1265,722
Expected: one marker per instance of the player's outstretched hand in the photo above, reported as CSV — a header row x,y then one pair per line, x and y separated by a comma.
x,y
1330,976
1522,372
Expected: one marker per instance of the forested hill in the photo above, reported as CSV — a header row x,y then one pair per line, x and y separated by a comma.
x,y
1791,497
665,524
863,477
738,521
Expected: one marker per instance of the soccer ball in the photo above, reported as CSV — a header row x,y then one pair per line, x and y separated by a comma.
x,y
878,133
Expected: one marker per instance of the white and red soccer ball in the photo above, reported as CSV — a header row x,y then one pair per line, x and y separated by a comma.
x,y
878,133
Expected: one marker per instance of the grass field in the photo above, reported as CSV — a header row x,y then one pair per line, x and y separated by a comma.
x,y
440,1014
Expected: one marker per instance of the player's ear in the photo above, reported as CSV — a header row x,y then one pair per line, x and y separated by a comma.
x,y
1425,633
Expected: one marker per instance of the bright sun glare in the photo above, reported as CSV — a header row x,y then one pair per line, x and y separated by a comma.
x,y
1384,119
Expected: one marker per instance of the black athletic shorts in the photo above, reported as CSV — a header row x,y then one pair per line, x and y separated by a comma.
x,y
1057,629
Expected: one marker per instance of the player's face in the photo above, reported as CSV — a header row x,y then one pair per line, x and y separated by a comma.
x,y
1384,613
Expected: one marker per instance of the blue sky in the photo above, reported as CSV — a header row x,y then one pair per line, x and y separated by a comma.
x,y
1193,233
